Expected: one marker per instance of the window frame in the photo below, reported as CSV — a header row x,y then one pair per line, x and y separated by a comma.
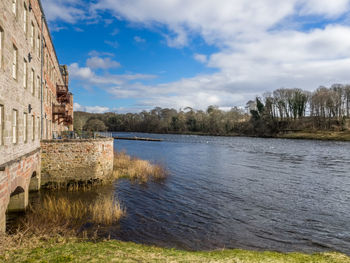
x,y
15,63
14,7
2,36
38,46
25,74
32,35
14,126
32,82
25,19
33,127
25,127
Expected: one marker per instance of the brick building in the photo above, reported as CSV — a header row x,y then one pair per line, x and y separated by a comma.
x,y
35,103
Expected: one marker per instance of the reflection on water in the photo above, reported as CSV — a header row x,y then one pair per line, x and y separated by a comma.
x,y
272,194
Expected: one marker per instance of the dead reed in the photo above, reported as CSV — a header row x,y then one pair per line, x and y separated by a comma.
x,y
105,210
136,169
63,211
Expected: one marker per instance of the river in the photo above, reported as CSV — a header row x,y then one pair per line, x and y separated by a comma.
x,y
234,192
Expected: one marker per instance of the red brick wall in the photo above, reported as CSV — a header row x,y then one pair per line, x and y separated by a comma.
x,y
17,173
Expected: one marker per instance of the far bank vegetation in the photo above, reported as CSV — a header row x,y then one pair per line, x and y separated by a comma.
x,y
280,111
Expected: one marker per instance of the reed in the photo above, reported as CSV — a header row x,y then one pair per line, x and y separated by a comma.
x,y
106,210
136,169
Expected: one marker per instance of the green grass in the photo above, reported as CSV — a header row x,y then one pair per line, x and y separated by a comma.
x,y
117,251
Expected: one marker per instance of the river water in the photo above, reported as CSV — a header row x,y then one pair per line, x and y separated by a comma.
x,y
234,192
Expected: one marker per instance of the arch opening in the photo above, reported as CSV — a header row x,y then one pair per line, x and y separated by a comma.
x,y
18,200
34,184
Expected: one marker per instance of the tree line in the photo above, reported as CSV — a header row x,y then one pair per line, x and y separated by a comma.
x,y
278,111
164,120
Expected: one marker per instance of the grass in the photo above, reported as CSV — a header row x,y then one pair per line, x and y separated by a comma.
x,y
118,251
318,135
136,169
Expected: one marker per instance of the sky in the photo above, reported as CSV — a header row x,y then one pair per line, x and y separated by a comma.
x,y
134,55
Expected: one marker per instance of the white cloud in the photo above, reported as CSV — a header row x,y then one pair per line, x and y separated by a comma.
x,y
139,39
330,8
101,63
94,53
200,58
113,44
88,76
92,109
64,10
115,32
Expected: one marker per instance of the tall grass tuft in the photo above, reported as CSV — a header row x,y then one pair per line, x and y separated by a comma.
x,y
105,210
61,210
136,169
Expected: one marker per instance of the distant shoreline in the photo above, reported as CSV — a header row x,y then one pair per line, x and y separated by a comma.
x,y
299,135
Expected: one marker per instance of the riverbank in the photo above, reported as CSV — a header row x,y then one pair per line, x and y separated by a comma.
x,y
317,135
118,251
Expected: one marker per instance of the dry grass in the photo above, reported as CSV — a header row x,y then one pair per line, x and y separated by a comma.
x,y
105,210
136,169
60,220
63,211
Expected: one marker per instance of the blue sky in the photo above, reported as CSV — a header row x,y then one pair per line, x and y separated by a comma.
x,y
131,55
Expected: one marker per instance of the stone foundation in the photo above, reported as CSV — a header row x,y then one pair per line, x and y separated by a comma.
x,y
65,161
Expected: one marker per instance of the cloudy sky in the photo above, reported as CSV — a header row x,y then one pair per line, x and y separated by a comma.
x,y
130,55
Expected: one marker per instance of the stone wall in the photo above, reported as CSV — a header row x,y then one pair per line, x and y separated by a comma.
x,y
76,160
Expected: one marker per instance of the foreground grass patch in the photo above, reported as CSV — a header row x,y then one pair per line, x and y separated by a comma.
x,y
117,251
136,169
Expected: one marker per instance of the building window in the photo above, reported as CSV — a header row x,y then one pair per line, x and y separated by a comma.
x,y
1,124
14,126
32,82
33,128
25,19
25,74
38,86
32,42
38,46
1,45
14,62
38,127
25,128
14,7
